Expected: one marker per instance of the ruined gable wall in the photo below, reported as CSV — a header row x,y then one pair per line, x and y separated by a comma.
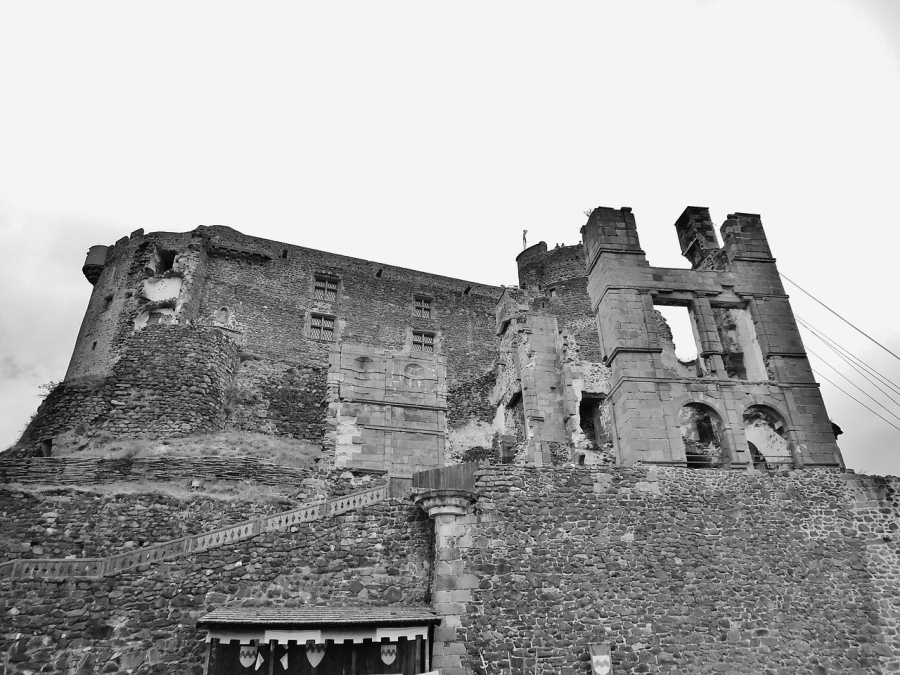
x,y
648,397
680,570
144,621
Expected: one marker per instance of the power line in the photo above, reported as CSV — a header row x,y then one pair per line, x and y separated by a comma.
x,y
842,318
856,399
874,400
845,353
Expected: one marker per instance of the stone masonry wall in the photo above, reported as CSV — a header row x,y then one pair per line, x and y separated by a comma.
x,y
67,522
269,299
680,571
170,380
144,622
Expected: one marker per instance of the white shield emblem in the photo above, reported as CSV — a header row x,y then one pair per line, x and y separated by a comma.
x,y
388,653
601,665
248,655
315,654
601,661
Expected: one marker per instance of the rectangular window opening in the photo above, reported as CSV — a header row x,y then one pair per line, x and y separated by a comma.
x,y
166,260
422,342
321,327
422,307
676,329
326,288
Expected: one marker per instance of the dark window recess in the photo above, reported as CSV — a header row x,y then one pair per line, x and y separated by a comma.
x,y
379,272
326,289
468,290
155,318
321,327
422,308
166,261
701,431
552,292
590,413
94,346
107,301
422,342
284,253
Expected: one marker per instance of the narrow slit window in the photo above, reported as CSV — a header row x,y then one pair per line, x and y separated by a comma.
x,y
423,342
326,289
321,327
422,308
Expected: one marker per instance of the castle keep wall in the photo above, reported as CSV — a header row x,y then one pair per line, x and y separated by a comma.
x,y
283,306
679,571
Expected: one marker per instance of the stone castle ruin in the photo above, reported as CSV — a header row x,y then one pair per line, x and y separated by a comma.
x,y
499,479
396,371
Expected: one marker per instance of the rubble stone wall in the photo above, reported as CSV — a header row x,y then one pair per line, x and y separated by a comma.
x,y
678,570
169,380
144,622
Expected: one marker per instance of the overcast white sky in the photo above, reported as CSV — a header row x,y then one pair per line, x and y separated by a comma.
x,y
430,135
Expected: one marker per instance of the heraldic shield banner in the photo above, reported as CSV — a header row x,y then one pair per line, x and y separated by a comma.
x,y
601,661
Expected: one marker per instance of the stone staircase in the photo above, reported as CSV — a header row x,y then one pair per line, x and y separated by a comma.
x,y
91,568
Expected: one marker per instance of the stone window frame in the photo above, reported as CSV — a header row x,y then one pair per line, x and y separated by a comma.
x,y
412,341
326,280
422,303
312,328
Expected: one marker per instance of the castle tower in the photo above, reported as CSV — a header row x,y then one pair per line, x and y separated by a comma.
x,y
749,398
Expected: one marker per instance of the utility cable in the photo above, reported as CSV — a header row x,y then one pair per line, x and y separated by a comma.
x,y
846,353
874,400
857,369
842,318
856,399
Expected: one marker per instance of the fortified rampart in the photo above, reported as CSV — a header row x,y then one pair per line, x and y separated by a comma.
x,y
484,479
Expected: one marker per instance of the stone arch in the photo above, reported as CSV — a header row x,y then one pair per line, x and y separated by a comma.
x,y
767,432
703,432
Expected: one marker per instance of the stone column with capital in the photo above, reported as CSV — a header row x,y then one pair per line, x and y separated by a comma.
x,y
451,510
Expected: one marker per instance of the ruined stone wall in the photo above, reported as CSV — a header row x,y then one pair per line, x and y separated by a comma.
x,y
560,276
168,380
263,295
171,380
145,621
540,268
679,571
742,303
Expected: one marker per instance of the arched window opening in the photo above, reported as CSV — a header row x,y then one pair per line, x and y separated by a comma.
x,y
703,434
766,435
222,315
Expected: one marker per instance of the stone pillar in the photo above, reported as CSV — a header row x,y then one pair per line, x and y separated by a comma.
x,y
452,589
